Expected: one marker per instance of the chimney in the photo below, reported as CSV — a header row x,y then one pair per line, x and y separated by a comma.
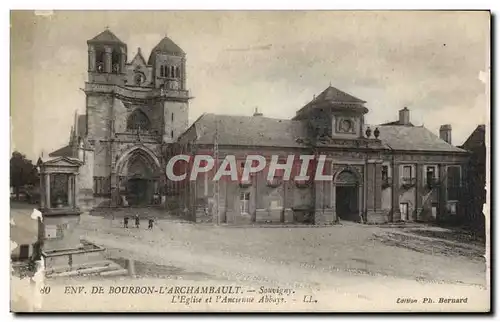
x,y
257,112
404,116
445,133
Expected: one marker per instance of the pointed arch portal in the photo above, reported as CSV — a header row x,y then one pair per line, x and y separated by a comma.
x,y
138,178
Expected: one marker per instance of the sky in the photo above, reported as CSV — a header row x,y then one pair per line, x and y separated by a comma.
x,y
434,63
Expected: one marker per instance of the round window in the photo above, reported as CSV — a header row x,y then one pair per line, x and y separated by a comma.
x,y
346,125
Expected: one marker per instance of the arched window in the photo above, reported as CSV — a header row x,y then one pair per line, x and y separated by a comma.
x,y
99,60
138,120
172,71
162,72
115,62
177,72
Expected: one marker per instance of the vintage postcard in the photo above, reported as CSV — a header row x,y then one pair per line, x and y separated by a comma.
x,y
250,161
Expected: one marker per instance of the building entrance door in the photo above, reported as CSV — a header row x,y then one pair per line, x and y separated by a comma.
x,y
139,192
346,202
347,196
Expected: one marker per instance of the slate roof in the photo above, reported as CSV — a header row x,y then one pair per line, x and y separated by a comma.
x,y
248,131
398,123
166,45
264,131
66,151
412,138
476,139
334,95
106,37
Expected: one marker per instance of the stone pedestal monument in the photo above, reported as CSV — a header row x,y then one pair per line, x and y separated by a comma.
x,y
62,250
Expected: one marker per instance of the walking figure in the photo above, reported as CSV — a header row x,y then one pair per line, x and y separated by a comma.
x,y
137,221
150,223
125,222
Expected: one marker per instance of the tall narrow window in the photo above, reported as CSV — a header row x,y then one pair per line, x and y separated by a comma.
x,y
453,182
177,72
162,72
245,202
385,172
430,174
100,57
172,133
172,71
115,62
403,209
172,117
407,172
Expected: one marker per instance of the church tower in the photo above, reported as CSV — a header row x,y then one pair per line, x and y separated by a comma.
x,y
107,59
133,111
168,63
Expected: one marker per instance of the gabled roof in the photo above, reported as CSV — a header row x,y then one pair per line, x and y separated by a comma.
x,y
248,131
66,151
138,58
476,139
413,138
106,37
167,46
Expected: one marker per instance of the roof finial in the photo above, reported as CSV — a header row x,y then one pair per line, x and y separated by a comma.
x,y
107,27
330,84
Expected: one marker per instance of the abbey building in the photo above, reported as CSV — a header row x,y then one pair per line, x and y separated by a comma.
x,y
137,119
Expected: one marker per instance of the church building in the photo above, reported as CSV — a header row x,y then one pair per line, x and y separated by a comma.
x,y
137,119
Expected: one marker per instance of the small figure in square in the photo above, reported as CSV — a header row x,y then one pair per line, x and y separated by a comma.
x,y
150,223
137,221
125,222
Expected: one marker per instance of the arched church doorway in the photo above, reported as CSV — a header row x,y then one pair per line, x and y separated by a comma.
x,y
139,180
347,196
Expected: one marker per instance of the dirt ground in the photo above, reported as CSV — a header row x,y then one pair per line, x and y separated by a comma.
x,y
359,249
350,259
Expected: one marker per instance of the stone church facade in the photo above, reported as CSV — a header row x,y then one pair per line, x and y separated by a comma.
x,y
133,108
137,119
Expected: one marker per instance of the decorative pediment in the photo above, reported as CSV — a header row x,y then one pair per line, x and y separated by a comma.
x,y
62,162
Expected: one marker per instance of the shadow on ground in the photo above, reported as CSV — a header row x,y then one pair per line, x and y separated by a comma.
x,y
435,241
144,269
455,235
